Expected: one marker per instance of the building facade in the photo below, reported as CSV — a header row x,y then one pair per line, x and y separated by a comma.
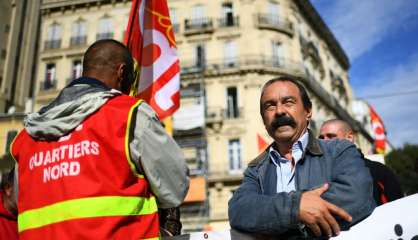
x,y
228,49
19,28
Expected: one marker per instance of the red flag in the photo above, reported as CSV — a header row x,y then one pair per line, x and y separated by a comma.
x,y
262,144
378,131
150,38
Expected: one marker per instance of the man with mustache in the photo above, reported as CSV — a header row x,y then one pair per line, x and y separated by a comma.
x,y
299,187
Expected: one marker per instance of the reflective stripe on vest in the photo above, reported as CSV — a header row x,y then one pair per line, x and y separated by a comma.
x,y
85,208
128,152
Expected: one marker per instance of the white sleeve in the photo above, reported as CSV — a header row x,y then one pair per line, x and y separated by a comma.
x,y
158,156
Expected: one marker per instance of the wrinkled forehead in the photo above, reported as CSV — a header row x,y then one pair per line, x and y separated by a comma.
x,y
279,89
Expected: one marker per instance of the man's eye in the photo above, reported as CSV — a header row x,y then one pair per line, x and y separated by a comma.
x,y
289,103
268,106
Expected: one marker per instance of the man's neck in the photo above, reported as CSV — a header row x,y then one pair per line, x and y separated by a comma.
x,y
285,147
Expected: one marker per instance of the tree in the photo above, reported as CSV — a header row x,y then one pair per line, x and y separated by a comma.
x,y
404,162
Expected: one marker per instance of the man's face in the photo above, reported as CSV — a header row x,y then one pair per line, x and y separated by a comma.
x,y
334,131
284,115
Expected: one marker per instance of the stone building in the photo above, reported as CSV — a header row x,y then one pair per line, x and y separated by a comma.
x,y
228,49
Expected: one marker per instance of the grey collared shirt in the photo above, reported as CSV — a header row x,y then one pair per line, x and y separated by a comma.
x,y
285,169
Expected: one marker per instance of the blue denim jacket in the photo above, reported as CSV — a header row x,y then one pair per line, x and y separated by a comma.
x,y
256,207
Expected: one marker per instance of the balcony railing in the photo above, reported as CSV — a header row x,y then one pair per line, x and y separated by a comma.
x,y
229,22
245,62
108,35
52,44
218,114
48,85
274,22
78,41
196,26
233,113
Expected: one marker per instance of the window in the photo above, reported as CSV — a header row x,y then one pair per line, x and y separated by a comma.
x,y
273,12
198,20
105,30
54,36
174,19
227,15
79,33
200,56
230,54
10,136
50,76
198,12
7,28
234,154
77,69
232,102
277,51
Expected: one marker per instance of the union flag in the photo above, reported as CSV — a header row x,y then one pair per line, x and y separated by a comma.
x,y
150,38
378,132
261,143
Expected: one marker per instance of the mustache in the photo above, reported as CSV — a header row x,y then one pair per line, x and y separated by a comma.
x,y
282,121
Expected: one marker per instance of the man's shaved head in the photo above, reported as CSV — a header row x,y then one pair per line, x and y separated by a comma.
x,y
336,128
103,58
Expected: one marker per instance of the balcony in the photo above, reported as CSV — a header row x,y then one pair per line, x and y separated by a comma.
x,y
107,35
227,22
48,85
273,22
52,44
198,26
78,41
240,64
218,114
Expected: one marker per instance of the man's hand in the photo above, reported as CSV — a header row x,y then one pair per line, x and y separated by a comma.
x,y
317,213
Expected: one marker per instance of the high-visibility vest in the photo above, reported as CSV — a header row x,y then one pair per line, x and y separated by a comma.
x,y
84,185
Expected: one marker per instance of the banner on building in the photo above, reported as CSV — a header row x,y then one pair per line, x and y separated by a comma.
x,y
150,38
378,131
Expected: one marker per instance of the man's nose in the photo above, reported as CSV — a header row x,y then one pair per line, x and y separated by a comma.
x,y
280,111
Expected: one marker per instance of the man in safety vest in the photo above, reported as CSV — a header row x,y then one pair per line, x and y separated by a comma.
x,y
95,163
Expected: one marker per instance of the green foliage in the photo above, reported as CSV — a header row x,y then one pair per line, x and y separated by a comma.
x,y
404,162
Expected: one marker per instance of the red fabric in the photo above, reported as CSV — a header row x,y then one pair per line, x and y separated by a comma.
x,y
8,223
150,38
91,161
262,144
383,197
378,131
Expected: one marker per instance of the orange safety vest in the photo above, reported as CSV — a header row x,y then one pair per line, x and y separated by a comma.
x,y
84,185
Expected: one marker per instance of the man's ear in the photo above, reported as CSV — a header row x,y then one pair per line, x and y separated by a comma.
x,y
308,113
120,71
350,136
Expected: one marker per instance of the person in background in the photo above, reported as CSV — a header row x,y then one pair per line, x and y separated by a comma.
x,y
8,208
386,186
299,187
96,163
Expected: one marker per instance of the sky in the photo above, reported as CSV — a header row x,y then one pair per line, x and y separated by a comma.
x,y
380,38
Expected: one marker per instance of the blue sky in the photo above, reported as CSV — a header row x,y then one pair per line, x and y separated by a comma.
x,y
381,39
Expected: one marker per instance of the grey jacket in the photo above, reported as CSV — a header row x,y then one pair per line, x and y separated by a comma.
x,y
154,153
256,207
